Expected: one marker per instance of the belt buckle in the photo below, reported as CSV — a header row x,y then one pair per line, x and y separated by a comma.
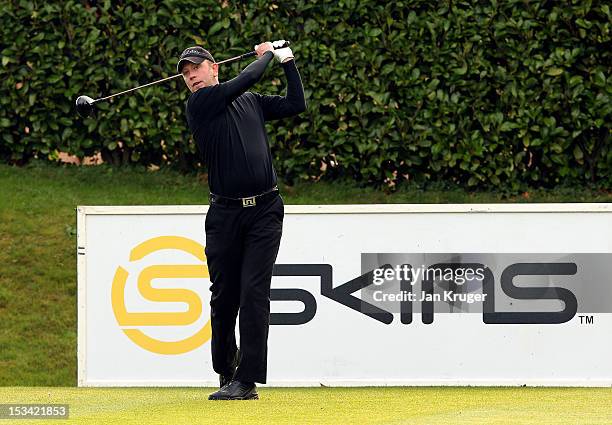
x,y
248,202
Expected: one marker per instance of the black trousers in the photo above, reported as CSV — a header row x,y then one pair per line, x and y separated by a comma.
x,y
241,248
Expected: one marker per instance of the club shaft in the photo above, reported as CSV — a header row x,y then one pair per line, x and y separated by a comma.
x,y
137,88
237,58
234,59
230,60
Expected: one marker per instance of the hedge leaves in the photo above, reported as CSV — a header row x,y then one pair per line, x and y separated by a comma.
x,y
476,93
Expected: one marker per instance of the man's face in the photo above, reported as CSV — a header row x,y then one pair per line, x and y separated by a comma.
x,y
198,75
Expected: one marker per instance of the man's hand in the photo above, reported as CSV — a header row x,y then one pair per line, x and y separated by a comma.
x,y
262,48
282,55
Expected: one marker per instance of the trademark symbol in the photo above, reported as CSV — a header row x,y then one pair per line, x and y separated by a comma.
x,y
586,320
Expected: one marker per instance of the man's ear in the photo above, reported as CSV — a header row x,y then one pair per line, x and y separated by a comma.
x,y
215,67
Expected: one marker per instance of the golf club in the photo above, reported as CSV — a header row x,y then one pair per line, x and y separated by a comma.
x,y
85,105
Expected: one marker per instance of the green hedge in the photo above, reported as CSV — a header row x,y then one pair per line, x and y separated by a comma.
x,y
491,93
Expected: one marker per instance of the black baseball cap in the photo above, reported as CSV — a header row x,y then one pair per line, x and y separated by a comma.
x,y
195,54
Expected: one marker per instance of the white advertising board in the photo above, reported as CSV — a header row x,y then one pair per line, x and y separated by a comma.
x,y
523,296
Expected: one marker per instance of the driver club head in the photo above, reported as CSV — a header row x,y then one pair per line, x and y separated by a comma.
x,y
85,106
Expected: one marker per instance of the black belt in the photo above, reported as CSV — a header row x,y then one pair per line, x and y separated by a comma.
x,y
250,201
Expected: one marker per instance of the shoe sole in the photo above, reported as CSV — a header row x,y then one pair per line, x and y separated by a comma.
x,y
249,397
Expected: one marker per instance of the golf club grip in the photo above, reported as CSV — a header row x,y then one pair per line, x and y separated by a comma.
x,y
249,54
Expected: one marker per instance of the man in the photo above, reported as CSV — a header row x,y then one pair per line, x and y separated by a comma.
x,y
244,222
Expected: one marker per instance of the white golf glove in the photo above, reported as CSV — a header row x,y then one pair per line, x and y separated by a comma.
x,y
284,54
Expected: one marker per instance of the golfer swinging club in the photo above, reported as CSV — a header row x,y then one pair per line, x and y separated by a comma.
x,y
245,220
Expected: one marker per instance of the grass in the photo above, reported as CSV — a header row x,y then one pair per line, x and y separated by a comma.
x,y
37,246
389,405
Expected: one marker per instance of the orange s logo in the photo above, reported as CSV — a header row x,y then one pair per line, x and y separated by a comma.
x,y
148,292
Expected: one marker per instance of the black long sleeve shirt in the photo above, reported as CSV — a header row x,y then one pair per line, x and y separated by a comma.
x,y
227,123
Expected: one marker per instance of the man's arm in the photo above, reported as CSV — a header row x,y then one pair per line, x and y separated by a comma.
x,y
214,98
275,107
247,78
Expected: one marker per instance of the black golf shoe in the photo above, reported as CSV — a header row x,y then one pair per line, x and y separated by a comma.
x,y
236,390
226,379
